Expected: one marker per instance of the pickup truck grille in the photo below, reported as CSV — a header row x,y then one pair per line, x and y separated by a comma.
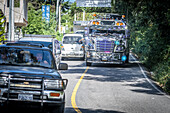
x,y
30,88
104,46
22,83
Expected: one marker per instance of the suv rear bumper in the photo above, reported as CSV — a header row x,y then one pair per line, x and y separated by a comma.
x,y
73,54
105,62
5,100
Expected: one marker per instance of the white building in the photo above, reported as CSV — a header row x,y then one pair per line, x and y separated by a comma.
x,y
19,15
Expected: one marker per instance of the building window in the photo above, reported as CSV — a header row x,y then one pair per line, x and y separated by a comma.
x,y
16,3
7,3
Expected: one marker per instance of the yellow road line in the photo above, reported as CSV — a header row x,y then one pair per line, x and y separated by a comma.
x,y
73,97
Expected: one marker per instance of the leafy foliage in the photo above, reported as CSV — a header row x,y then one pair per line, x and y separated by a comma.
x,y
36,25
2,27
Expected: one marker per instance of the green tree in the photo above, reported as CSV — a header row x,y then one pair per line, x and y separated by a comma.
x,y
2,26
36,25
149,24
35,22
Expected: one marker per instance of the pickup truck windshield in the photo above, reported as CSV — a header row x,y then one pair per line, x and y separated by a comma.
x,y
28,57
71,40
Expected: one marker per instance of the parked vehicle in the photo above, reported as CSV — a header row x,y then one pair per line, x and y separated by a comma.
x,y
73,46
29,76
47,41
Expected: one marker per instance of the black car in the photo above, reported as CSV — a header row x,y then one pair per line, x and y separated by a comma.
x,y
29,76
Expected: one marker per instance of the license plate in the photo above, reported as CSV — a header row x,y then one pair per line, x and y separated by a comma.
x,y
25,97
104,59
71,53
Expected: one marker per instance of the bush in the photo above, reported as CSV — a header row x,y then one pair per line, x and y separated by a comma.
x,y
153,50
167,86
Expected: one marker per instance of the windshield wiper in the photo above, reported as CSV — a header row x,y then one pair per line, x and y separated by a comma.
x,y
4,63
34,65
9,63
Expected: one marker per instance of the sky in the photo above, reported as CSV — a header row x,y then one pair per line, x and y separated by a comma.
x,y
70,0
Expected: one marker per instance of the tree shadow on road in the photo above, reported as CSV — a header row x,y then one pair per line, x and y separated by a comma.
x,y
83,110
145,87
129,74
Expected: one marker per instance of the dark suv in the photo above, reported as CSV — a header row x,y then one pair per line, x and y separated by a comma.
x,y
47,41
29,75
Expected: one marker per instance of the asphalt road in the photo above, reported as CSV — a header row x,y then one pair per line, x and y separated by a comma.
x,y
111,89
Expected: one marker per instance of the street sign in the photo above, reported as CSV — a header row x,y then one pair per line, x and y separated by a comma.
x,y
46,12
93,3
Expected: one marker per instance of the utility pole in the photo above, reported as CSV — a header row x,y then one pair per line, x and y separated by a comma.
x,y
84,13
75,16
59,23
11,21
57,12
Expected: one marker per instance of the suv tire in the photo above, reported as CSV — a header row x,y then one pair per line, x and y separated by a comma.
x,y
58,109
127,60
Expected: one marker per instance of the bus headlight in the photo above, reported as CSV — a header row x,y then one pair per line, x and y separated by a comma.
x,y
93,54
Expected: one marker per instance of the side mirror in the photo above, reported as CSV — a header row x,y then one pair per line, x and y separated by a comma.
x,y
62,66
65,82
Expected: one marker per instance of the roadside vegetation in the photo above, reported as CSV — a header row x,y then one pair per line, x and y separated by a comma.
x,y
149,22
2,26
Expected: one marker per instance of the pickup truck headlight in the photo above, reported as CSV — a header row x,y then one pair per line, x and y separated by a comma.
x,y
3,80
55,84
